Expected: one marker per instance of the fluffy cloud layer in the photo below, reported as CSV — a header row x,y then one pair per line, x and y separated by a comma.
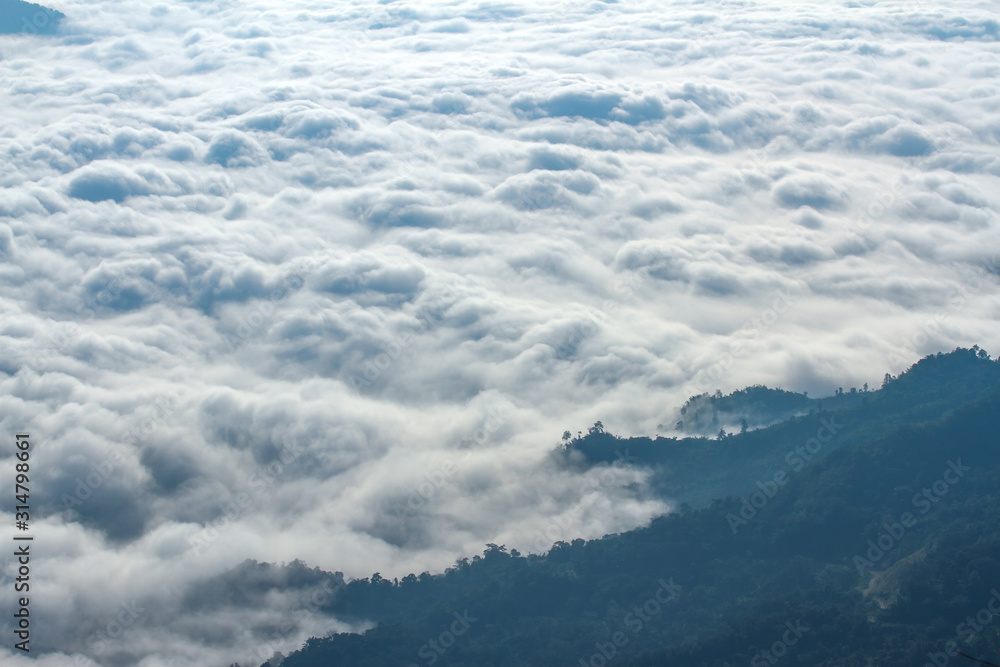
x,y
327,280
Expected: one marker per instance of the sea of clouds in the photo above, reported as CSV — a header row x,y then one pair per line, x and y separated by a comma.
x,y
328,280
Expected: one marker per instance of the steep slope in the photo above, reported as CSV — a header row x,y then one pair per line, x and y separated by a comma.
x,y
17,17
699,470
875,554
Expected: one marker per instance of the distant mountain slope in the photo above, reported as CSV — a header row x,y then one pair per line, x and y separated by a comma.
x,y
28,18
699,470
877,553
759,405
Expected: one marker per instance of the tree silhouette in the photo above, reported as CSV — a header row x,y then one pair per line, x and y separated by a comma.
x,y
964,655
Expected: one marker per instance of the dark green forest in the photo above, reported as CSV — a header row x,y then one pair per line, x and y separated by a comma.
x,y
17,17
860,530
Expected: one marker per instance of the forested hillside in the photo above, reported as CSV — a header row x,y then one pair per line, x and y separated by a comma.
x,y
700,470
28,18
878,548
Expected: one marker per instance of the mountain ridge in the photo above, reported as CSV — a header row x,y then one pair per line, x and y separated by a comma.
x,y
18,17
830,549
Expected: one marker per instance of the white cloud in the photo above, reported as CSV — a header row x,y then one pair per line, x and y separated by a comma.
x,y
367,229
